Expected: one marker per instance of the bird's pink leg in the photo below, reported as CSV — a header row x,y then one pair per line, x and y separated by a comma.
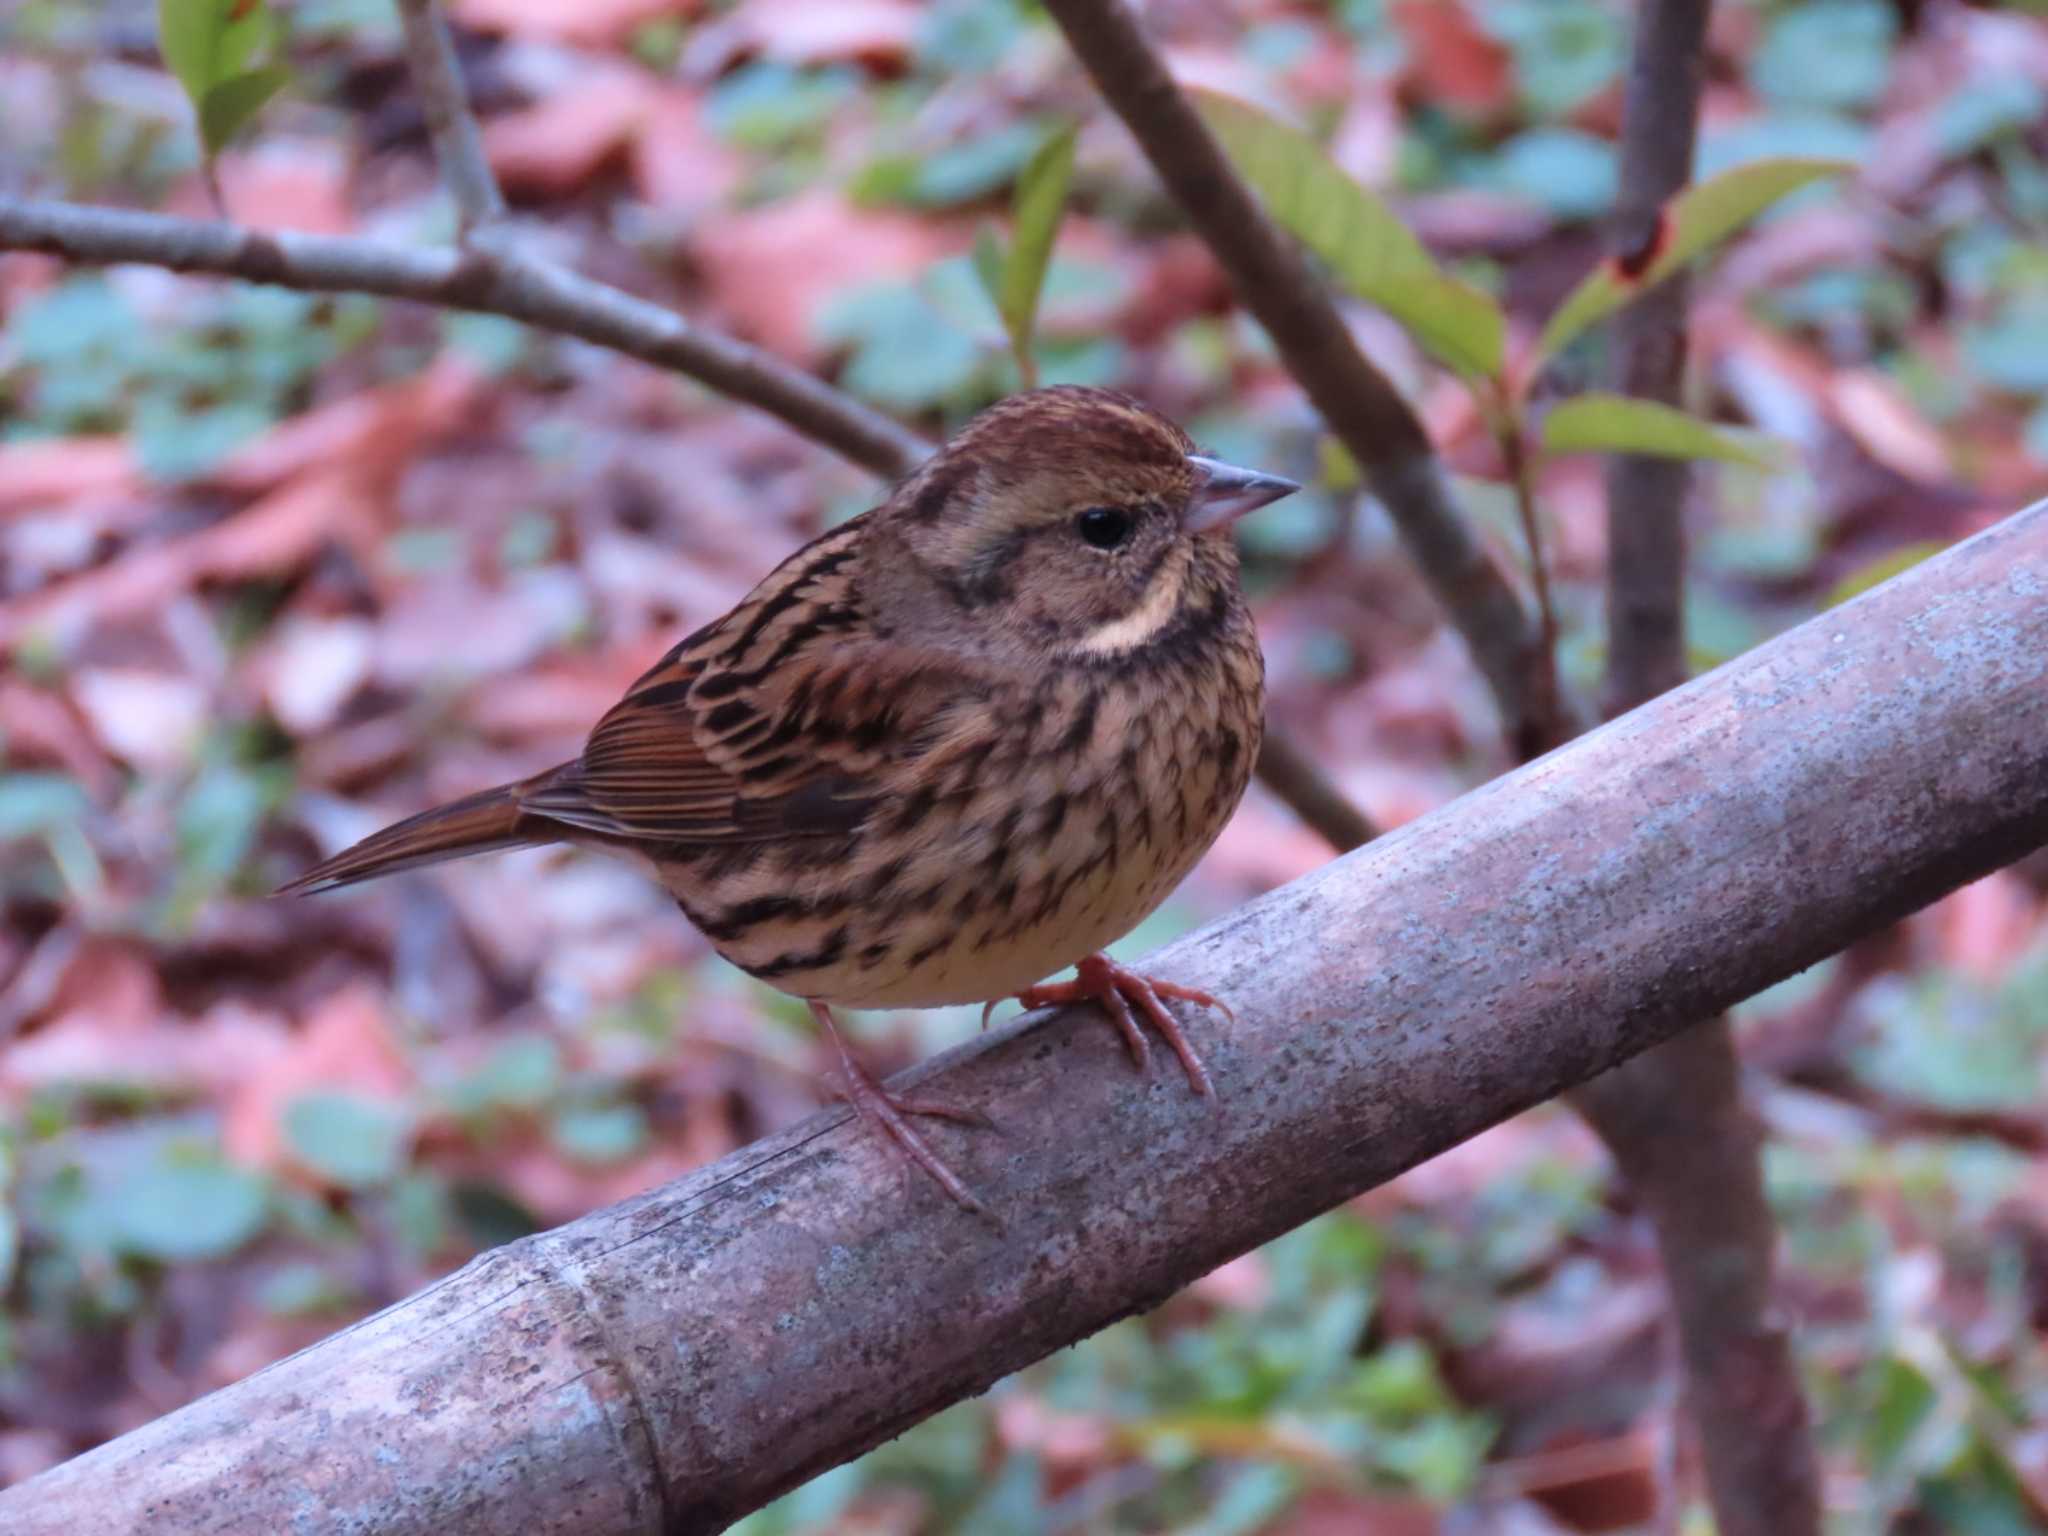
x,y
876,1105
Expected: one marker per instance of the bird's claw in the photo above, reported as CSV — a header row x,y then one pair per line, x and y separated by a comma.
x,y
1113,988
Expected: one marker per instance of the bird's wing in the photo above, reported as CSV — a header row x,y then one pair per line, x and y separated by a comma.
x,y
781,720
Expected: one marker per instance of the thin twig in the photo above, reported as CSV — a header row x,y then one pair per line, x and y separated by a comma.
x,y
517,286
1361,406
458,146
1290,774
1521,473
209,178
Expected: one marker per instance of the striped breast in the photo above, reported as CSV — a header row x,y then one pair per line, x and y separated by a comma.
x,y
1008,829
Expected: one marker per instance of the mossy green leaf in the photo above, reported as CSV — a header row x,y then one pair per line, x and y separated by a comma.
x,y
1364,243
1604,423
351,1141
1876,572
213,48
988,258
185,1209
230,106
1041,199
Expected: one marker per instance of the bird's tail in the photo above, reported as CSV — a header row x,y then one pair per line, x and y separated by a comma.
x,y
481,823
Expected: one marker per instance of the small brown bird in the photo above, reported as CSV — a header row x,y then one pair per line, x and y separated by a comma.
x,y
958,743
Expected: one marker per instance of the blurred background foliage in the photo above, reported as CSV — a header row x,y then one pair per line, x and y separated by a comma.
x,y
275,568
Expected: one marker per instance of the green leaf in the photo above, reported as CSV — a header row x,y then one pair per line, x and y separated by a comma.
x,y
212,47
1603,423
230,106
1366,246
962,172
522,1073
350,1141
1698,219
988,261
1041,198
490,1216
1826,53
906,354
189,36
301,1289
600,1133
183,1209
32,803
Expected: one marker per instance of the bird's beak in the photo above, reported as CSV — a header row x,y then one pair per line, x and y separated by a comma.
x,y
1224,493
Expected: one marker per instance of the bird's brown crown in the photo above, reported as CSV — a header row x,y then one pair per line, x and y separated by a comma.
x,y
1052,523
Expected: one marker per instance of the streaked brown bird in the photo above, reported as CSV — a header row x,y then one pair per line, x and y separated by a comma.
x,y
958,743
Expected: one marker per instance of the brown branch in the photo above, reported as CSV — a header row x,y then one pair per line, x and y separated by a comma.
x,y
1289,774
1360,404
1645,495
1674,1117
1521,473
682,1358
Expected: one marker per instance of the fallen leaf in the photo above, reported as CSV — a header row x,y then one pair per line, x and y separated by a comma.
x,y
295,184
590,22
35,474
149,719
450,628
1986,926
1451,61
1242,1284
878,34
283,530
1025,1423
313,668
561,142
1227,71
347,498
1875,411
38,726
327,434
679,165
559,699
346,1045
1592,1485
99,1022
764,274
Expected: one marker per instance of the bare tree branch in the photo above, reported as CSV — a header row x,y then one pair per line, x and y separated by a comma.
x,y
458,146
509,283
1285,770
1674,1117
1361,406
675,1361
1646,495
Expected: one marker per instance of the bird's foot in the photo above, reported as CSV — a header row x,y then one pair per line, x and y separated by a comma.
x,y
876,1105
1101,980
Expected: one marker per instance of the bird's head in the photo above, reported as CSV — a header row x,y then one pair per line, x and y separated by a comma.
x,y
1062,521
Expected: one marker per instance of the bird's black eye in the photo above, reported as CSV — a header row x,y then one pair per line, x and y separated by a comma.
x,y
1103,527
